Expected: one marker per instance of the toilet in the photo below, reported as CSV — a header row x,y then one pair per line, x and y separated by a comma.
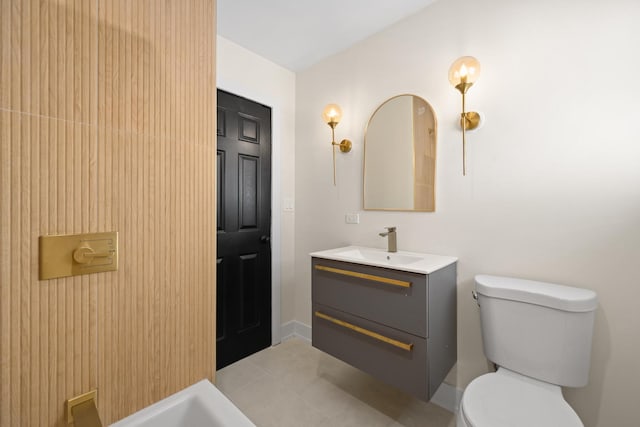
x,y
539,337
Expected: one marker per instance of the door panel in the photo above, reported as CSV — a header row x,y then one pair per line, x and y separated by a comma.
x,y
244,221
221,301
248,197
249,287
220,198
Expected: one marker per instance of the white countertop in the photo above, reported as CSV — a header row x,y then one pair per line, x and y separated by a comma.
x,y
406,261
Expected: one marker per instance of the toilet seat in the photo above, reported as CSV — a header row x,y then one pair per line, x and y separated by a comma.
x,y
508,399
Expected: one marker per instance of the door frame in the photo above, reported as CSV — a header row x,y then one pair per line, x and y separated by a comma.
x,y
276,203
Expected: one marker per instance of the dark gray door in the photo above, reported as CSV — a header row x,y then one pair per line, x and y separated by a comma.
x,y
244,228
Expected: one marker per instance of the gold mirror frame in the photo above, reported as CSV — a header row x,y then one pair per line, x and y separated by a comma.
x,y
399,162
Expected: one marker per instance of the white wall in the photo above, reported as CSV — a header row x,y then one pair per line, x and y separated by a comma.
x,y
244,73
552,190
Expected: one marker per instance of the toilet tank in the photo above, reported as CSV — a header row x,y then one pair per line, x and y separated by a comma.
x,y
538,329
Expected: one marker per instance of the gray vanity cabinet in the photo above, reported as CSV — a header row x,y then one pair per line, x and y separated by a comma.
x,y
398,326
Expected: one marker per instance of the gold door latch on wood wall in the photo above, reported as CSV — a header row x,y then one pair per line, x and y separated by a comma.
x,y
74,254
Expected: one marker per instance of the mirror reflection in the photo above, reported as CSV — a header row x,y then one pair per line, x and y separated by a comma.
x,y
400,156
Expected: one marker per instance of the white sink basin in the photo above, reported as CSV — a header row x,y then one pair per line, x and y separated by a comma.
x,y
376,255
406,261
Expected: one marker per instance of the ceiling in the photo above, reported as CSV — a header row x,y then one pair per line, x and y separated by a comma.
x,y
298,33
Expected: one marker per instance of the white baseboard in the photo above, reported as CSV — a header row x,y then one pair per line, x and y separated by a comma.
x,y
448,397
295,329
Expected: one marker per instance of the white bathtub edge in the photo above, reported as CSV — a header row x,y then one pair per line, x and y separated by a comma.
x,y
216,403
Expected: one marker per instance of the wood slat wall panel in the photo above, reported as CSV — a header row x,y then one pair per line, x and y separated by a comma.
x,y
106,123
48,343
157,80
46,354
48,58
149,53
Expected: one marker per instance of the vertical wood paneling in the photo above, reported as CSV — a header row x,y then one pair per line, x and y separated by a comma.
x,y
5,271
156,313
44,323
46,58
47,154
106,123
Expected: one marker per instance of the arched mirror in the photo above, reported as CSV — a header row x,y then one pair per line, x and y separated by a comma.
x,y
400,156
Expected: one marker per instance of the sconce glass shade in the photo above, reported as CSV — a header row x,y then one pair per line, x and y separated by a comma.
x,y
332,113
464,70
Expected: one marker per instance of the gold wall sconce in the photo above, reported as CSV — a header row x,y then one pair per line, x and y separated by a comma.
x,y
463,73
332,114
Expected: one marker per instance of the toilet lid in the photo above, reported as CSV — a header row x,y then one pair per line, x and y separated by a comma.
x,y
511,400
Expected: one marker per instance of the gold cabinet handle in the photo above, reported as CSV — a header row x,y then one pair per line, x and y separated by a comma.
x,y
394,282
363,331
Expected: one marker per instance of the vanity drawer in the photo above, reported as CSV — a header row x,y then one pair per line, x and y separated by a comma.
x,y
393,356
394,298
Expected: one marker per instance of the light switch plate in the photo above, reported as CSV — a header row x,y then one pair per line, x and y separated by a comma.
x,y
352,218
287,204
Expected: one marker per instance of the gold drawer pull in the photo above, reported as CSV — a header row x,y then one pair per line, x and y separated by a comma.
x,y
366,332
372,277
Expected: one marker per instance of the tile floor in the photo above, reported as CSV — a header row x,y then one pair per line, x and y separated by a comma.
x,y
296,385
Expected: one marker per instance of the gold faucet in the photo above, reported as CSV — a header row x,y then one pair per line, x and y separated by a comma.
x,y
392,240
82,410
